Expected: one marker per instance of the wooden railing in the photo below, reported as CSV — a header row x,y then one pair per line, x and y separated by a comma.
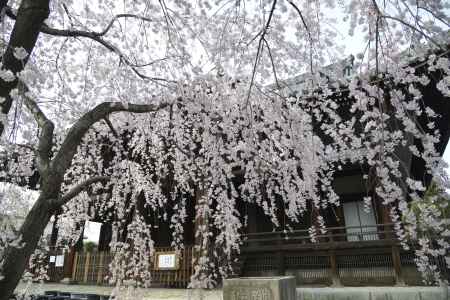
x,y
356,255
92,268
378,232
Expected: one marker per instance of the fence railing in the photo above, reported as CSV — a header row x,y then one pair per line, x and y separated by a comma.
x,y
378,232
93,268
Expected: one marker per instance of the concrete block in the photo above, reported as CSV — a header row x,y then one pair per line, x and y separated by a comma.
x,y
260,288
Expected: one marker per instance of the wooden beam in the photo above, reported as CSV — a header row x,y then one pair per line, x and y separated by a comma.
x,y
320,246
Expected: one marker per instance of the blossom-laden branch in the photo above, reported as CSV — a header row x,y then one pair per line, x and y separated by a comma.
x,y
79,188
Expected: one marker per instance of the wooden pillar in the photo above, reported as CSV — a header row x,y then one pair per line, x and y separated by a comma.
x,y
397,266
281,269
335,279
252,223
75,265
101,268
86,267
385,218
69,261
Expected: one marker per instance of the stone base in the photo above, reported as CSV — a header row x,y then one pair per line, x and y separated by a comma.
x,y
66,280
259,288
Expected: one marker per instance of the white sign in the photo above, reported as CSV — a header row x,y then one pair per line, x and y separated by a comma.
x,y
167,261
52,259
59,261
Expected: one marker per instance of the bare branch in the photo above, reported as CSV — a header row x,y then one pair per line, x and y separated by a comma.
x,y
97,36
413,28
79,188
119,16
110,125
273,64
47,127
442,19
299,12
302,18
260,47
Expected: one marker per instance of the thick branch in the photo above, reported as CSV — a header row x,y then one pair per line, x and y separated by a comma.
x,y
79,188
47,127
81,33
63,158
75,33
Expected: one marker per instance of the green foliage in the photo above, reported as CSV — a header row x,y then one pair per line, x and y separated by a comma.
x,y
435,202
90,246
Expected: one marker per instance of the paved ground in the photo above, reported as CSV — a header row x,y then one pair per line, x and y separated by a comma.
x,y
374,293
149,294
326,293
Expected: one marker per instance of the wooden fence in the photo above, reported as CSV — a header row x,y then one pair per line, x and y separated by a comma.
x,y
92,268
175,278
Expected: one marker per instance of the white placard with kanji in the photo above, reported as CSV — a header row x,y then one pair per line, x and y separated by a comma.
x,y
167,261
59,261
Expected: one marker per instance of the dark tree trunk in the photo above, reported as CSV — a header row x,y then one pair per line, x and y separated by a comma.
x,y
52,174
16,259
30,17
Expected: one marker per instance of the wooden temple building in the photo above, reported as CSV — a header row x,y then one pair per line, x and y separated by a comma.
x,y
359,247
